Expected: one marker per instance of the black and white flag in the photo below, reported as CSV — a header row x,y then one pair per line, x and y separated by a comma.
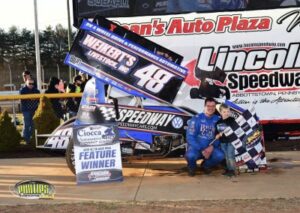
x,y
246,136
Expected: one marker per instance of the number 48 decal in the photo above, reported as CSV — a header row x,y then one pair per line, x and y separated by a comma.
x,y
153,78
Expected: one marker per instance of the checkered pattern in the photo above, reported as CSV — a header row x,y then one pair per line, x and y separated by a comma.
x,y
108,113
246,129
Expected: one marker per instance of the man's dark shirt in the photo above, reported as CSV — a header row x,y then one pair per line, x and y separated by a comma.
x,y
29,105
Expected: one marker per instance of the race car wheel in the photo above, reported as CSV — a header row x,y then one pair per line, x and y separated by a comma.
x,y
70,156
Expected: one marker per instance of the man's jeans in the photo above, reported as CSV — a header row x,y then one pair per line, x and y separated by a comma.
x,y
229,152
27,125
192,155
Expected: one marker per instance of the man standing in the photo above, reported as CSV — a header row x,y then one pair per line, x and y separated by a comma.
x,y
200,132
73,103
28,107
26,75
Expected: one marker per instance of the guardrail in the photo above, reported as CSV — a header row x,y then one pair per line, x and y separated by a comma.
x,y
37,96
10,98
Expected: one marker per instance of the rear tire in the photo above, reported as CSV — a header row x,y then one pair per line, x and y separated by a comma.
x,y
70,158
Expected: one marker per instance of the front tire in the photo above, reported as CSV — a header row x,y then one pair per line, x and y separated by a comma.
x,y
70,158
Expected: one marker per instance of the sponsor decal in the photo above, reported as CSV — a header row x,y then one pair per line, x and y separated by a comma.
x,y
89,108
191,126
109,4
177,122
253,139
127,151
101,175
255,67
180,26
253,59
95,135
152,120
294,22
144,117
126,64
59,142
136,118
107,54
34,189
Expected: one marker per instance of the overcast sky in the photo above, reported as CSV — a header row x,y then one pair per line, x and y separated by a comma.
x,y
21,13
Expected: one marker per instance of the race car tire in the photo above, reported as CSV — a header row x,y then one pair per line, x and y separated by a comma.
x,y
70,159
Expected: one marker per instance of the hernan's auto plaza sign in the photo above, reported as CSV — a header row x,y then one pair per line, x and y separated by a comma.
x,y
259,51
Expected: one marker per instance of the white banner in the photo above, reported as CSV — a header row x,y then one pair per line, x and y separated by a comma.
x,y
97,153
259,52
98,163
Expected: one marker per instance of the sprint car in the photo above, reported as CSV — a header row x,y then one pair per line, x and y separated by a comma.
x,y
146,128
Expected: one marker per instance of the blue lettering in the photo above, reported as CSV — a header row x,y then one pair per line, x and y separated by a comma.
x,y
109,163
84,165
81,155
111,153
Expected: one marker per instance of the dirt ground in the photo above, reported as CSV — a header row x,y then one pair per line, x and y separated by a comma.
x,y
232,206
201,206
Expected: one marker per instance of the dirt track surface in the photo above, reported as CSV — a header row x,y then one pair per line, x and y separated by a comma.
x,y
157,186
232,206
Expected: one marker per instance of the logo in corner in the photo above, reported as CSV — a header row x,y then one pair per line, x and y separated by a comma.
x,y
177,122
294,22
34,189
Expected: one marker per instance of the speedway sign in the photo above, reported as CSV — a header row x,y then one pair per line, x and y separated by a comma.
x,y
125,64
152,120
258,52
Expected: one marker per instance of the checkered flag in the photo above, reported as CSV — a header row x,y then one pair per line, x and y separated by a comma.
x,y
246,137
108,113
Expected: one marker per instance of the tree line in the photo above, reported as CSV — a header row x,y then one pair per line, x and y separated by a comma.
x,y
17,49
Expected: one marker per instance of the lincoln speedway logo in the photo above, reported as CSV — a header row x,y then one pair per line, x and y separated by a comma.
x,y
177,122
95,135
178,25
269,61
34,189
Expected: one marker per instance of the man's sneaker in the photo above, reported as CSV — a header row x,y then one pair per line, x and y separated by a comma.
x,y
191,172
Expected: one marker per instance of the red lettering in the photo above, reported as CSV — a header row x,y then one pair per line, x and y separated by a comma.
x,y
175,26
223,23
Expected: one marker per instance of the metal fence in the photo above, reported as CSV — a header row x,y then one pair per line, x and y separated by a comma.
x,y
11,100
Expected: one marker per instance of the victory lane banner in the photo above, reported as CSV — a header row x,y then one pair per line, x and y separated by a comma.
x,y
246,57
134,118
124,64
97,153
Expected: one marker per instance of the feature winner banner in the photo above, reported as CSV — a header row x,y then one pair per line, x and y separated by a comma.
x,y
124,64
97,153
247,57
97,150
